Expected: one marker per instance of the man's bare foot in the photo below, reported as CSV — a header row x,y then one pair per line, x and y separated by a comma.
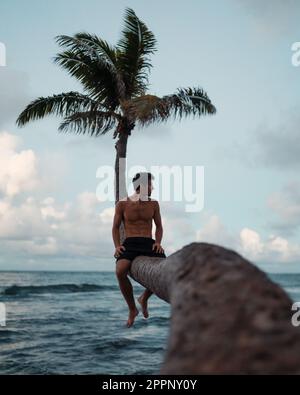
x,y
144,306
132,315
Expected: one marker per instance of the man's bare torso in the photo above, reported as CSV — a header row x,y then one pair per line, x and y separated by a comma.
x,y
138,216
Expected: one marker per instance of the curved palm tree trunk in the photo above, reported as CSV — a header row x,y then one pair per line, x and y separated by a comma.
x,y
227,316
120,174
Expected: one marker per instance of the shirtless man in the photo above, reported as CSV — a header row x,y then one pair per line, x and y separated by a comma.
x,y
137,212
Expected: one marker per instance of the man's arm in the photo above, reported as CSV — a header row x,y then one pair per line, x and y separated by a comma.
x,y
116,223
158,224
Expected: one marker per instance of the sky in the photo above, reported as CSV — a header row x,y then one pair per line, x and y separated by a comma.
x,y
238,51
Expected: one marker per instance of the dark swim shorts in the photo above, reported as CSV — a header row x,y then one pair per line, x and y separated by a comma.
x,y
135,246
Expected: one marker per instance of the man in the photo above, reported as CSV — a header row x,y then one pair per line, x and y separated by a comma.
x,y
137,212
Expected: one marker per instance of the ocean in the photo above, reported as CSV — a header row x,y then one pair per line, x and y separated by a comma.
x,y
74,323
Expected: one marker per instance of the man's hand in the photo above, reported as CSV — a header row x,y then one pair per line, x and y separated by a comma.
x,y
157,248
118,251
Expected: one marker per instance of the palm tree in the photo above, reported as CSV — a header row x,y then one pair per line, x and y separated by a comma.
x,y
115,82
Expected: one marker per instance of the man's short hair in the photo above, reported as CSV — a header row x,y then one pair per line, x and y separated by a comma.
x,y
141,179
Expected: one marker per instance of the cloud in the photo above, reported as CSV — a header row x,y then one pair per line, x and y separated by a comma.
x,y
44,227
22,170
250,243
273,249
34,225
18,170
21,222
81,228
30,225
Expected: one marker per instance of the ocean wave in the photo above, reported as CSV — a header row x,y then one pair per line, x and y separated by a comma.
x,y
16,290
292,290
116,344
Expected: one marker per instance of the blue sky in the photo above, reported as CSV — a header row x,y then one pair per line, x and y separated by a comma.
x,y
238,51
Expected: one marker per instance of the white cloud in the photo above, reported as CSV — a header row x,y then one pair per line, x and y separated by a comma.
x,y
22,221
68,229
33,226
249,243
274,249
51,212
107,215
18,169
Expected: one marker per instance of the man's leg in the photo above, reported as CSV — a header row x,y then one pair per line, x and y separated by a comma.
x,y
143,301
122,268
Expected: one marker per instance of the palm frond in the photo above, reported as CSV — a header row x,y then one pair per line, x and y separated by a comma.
x,y
136,44
185,102
91,45
97,81
93,62
94,123
189,102
63,104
